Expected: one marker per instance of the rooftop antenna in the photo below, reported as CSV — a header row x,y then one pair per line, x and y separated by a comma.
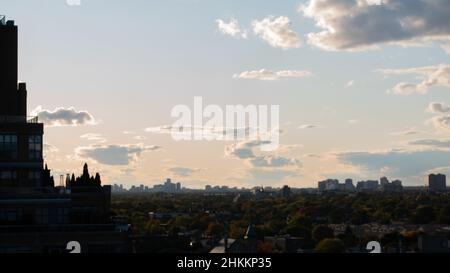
x,y
3,20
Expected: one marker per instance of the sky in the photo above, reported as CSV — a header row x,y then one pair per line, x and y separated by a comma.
x,y
362,85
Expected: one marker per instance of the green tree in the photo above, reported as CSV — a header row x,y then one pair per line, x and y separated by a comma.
x,y
423,215
330,246
215,230
444,215
382,217
360,217
322,232
298,231
153,227
300,220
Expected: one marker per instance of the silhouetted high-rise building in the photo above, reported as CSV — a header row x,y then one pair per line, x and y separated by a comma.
x,y
21,160
11,104
437,182
36,216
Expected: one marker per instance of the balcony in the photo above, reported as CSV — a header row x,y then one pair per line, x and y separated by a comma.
x,y
18,119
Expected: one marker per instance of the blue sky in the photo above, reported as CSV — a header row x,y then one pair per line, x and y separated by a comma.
x,y
122,66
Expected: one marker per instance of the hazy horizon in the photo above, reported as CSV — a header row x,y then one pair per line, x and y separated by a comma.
x,y
360,96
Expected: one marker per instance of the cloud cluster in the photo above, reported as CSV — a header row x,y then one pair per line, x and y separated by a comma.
x,y
438,108
429,76
231,28
362,24
277,32
63,117
268,75
441,122
273,161
246,151
434,143
114,155
399,163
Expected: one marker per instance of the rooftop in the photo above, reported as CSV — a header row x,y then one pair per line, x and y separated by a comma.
x,y
18,119
4,22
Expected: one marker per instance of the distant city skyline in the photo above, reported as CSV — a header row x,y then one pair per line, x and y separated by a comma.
x,y
366,100
435,183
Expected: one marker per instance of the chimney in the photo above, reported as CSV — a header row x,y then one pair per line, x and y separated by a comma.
x,y
22,99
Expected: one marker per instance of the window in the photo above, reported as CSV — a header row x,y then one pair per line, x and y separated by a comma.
x,y
34,177
63,215
35,147
41,216
8,175
8,146
11,215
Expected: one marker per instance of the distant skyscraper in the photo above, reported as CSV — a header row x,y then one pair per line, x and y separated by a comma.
x,y
437,182
369,185
286,192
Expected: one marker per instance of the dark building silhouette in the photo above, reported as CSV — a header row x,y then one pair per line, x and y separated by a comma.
x,y
13,102
21,158
36,216
437,183
286,192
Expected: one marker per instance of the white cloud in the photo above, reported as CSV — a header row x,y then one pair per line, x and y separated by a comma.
x,y
49,148
272,161
246,151
232,28
438,108
268,75
351,83
63,117
307,126
430,76
114,155
441,122
277,32
243,150
93,137
406,132
363,24
183,171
